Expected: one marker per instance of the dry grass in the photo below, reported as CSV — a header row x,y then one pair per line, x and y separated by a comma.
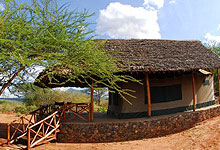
x,y
6,106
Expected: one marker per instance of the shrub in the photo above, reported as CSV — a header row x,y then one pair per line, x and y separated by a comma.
x,y
6,107
19,108
2,101
18,114
23,109
49,96
102,109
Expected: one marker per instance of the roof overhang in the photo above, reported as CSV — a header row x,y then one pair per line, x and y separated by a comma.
x,y
205,72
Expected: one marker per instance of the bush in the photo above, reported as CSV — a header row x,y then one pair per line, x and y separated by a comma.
x,y
6,107
49,96
23,109
2,101
19,108
18,114
102,109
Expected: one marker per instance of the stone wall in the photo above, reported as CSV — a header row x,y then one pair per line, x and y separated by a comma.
x,y
125,130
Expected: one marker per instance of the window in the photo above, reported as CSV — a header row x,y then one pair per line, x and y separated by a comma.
x,y
160,94
206,82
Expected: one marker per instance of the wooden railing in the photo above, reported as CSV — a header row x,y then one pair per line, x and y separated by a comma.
x,y
19,127
42,125
44,130
77,109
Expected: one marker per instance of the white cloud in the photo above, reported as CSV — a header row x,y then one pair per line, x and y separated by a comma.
x,y
125,21
212,39
61,88
218,27
7,94
153,4
2,8
172,1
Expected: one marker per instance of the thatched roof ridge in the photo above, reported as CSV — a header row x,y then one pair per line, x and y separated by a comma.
x,y
163,55
145,55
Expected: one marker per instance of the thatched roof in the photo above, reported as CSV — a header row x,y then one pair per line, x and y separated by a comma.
x,y
149,55
164,55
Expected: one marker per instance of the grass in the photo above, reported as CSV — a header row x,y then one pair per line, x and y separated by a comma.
x,y
8,106
15,107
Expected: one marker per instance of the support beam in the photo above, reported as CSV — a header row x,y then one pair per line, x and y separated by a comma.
x,y
28,139
8,133
92,104
218,85
148,95
194,91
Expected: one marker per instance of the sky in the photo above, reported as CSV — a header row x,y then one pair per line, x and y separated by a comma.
x,y
153,19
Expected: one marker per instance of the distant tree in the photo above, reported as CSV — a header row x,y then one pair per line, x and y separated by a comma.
x,y
98,93
215,47
39,33
22,89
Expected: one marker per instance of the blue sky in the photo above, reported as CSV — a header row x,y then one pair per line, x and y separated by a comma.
x,y
152,19
176,19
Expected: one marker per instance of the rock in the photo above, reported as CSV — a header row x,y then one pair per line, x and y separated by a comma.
x,y
133,130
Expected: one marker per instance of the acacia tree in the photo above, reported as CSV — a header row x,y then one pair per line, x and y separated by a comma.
x,y
98,92
41,34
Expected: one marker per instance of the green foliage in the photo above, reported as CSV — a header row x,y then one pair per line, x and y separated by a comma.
x,y
2,101
49,96
18,114
215,47
36,98
23,109
39,33
102,109
17,107
99,94
23,89
6,107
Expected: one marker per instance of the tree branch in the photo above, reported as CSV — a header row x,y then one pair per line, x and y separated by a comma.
x,y
5,85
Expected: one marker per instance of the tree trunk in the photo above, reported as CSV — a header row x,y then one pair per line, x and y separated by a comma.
x,y
99,101
5,85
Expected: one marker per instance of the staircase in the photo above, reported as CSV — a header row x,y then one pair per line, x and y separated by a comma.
x,y
38,128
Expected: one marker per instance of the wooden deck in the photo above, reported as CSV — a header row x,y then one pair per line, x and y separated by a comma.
x,y
103,117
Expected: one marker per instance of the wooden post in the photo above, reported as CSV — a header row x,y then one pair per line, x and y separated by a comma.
x,y
43,131
194,90
148,95
28,139
55,124
218,85
8,137
64,109
92,104
35,118
22,119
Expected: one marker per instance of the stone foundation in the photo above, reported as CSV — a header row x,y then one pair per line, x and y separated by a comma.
x,y
133,129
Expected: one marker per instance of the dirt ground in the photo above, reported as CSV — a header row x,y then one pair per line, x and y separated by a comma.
x,y
206,135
